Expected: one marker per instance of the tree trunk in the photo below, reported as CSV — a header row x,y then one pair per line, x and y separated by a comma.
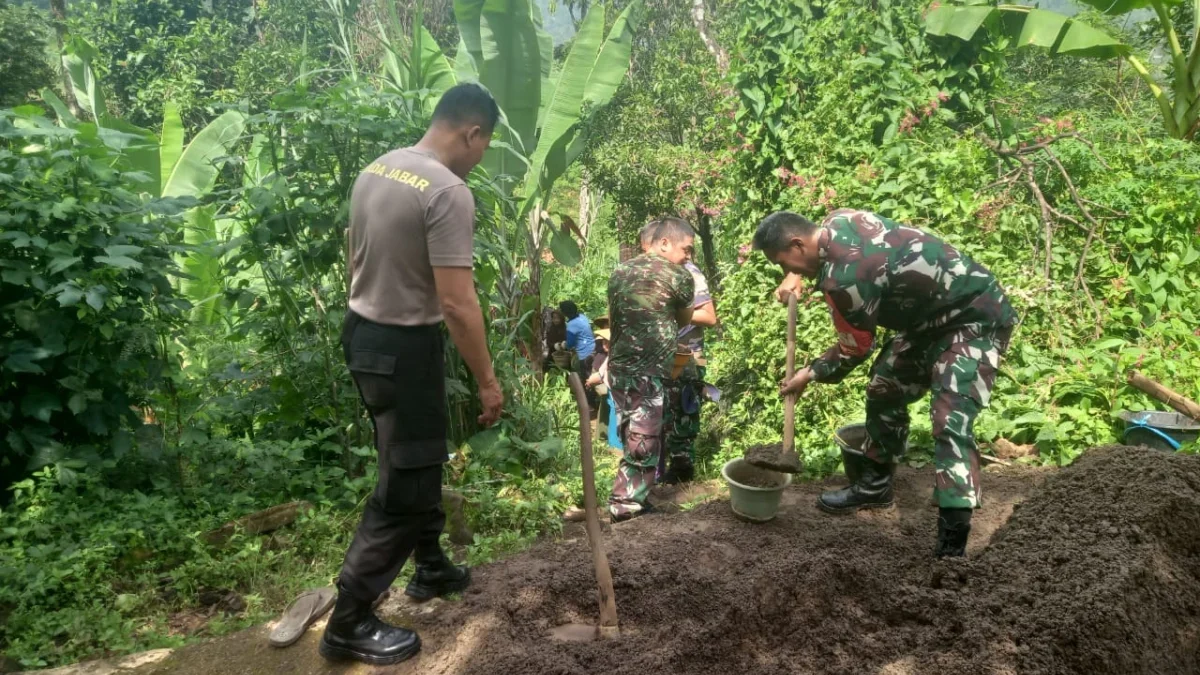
x,y
704,231
58,10
589,207
533,257
702,27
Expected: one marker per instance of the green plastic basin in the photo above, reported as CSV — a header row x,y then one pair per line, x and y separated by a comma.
x,y
757,502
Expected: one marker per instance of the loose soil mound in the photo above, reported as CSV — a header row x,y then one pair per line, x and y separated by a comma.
x,y
772,458
1098,571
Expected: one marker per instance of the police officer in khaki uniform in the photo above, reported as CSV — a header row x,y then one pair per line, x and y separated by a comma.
x,y
412,222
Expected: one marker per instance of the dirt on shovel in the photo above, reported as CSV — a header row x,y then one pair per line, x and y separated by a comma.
x,y
773,458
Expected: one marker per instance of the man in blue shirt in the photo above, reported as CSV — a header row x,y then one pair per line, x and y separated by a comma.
x,y
580,338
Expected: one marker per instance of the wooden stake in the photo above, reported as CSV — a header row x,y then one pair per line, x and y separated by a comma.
x,y
1172,398
608,628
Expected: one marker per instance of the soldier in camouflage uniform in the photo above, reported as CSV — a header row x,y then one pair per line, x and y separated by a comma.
x,y
649,299
951,321
682,395
681,417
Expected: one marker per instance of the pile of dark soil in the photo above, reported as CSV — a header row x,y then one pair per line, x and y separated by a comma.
x,y
1092,569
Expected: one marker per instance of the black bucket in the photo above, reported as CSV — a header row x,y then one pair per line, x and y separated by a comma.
x,y
1159,430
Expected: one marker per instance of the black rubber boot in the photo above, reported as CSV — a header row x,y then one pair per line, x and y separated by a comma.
x,y
437,577
354,633
680,472
872,490
953,527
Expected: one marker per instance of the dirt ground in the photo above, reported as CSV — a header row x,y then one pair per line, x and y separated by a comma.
x,y
1090,569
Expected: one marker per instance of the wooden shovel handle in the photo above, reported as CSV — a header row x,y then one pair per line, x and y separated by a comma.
x,y
1172,398
604,583
789,402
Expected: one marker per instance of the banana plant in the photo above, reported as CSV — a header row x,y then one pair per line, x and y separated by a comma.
x,y
1178,101
422,68
191,171
502,46
165,167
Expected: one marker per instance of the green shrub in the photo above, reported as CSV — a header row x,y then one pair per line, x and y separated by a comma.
x,y
87,267
24,60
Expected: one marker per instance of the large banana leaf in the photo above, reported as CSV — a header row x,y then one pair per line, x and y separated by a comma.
x,y
546,45
613,61
506,49
469,56
196,172
204,286
560,142
1119,7
171,144
565,106
1036,27
65,117
431,68
77,58
139,151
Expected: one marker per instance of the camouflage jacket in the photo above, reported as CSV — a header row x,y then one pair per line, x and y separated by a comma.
x,y
644,295
878,273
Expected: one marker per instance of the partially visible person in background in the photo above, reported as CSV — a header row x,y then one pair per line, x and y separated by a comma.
x,y
681,412
579,338
682,395
554,330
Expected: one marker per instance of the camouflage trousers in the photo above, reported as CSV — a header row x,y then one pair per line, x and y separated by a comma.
x,y
681,420
958,369
639,405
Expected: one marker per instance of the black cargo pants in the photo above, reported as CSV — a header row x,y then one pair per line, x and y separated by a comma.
x,y
400,374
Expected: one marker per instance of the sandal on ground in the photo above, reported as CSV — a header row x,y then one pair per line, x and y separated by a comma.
x,y
304,610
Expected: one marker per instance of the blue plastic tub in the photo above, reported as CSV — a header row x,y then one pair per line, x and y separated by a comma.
x,y
1160,430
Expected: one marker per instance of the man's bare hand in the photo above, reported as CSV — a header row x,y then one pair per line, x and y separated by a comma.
x,y
798,383
791,286
593,380
492,398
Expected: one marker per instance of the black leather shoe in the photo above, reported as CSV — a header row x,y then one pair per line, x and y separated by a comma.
x,y
954,525
354,633
872,490
437,579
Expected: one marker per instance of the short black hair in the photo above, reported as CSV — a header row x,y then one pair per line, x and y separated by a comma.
x,y
468,103
777,229
568,308
671,228
646,236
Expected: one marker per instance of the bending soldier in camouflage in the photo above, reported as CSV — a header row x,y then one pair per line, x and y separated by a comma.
x,y
649,299
682,395
952,323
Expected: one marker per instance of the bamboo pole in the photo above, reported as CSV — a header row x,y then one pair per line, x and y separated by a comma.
x,y
1172,398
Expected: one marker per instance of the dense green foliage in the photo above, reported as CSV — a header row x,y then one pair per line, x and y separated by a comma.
x,y
170,364
904,128
87,273
24,34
